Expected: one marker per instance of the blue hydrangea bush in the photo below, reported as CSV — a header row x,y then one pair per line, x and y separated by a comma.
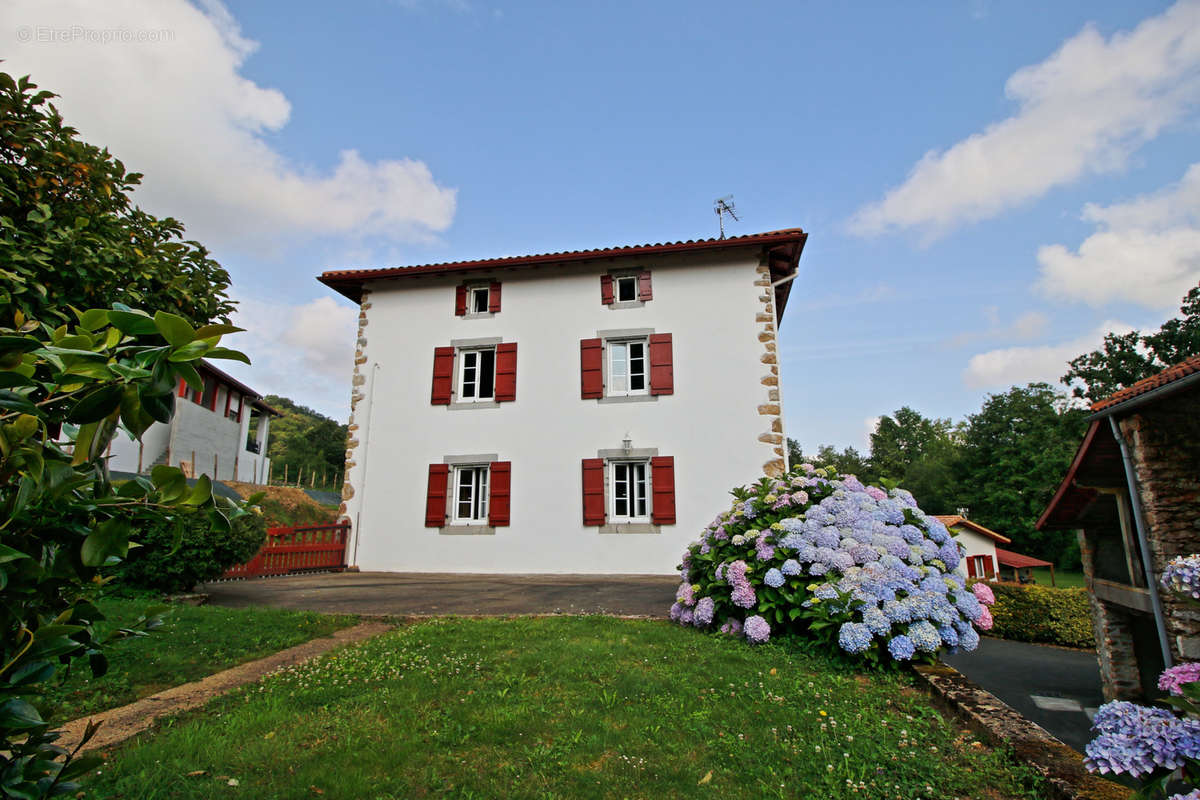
x,y
815,553
1158,746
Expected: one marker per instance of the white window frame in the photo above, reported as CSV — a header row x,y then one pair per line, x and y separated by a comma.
x,y
479,486
618,280
462,354
475,291
612,346
646,497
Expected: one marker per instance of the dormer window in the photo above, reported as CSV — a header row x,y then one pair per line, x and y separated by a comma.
x,y
478,302
477,299
626,288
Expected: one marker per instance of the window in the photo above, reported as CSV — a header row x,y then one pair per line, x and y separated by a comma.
x,y
478,300
627,288
627,367
477,375
629,491
471,494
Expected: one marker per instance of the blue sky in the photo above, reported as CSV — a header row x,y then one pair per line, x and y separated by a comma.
x,y
987,186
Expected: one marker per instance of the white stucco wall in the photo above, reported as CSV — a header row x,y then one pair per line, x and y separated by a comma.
x,y
124,450
976,544
710,424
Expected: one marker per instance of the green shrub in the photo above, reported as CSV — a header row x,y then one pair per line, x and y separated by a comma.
x,y
202,553
1031,613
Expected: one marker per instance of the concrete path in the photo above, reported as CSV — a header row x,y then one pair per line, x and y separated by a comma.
x,y
119,724
1057,688
402,593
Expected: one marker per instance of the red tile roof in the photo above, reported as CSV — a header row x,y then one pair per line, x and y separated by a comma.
x,y
349,281
950,520
1010,559
1167,376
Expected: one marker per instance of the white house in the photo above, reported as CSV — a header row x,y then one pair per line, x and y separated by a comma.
x,y
575,412
980,558
210,433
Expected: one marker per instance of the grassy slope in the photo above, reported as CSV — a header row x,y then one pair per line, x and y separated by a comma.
x,y
565,707
194,642
1062,578
285,505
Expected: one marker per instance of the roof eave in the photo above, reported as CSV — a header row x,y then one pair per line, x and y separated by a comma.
x,y
1154,395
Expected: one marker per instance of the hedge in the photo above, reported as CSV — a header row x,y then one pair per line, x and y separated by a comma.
x,y
174,557
1032,613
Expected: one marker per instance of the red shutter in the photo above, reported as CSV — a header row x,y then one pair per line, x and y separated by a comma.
x,y
494,297
435,498
443,373
593,491
591,368
970,566
662,478
460,301
989,567
183,388
506,372
606,289
644,290
662,370
499,482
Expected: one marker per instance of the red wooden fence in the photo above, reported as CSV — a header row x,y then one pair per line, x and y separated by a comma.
x,y
299,549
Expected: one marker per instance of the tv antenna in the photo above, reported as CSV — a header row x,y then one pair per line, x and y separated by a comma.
x,y
723,206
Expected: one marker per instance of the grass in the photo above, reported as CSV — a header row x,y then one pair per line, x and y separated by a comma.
x,y
194,642
571,707
1062,578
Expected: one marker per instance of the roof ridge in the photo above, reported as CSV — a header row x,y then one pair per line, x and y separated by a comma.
x,y
1163,377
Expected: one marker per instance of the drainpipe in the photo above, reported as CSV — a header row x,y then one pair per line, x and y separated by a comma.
x,y
1139,525
362,484
787,456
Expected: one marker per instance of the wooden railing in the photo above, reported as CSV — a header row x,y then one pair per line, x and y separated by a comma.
x,y
300,549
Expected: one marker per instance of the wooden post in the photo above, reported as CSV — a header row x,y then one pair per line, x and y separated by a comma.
x,y
216,474
285,468
235,465
254,476
1051,574
141,447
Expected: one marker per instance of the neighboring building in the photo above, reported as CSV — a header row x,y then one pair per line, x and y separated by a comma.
x,y
210,433
1133,493
979,546
647,386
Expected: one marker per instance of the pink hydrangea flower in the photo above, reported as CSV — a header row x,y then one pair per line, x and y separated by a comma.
x,y
877,493
1173,679
983,593
985,621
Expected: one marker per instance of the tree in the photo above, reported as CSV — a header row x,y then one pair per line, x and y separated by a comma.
x,y
303,439
65,391
1015,452
1127,358
848,461
70,235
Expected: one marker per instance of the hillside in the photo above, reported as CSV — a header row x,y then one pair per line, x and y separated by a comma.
x,y
305,443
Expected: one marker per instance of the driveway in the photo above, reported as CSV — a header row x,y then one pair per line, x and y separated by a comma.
x,y
403,593
1057,688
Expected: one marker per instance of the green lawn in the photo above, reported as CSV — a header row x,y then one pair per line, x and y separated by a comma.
x,y
1062,578
194,642
571,707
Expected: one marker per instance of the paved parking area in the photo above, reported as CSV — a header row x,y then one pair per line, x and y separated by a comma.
x,y
403,593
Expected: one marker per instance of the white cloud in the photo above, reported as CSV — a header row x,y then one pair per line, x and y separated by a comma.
x,y
303,351
1019,365
870,425
180,109
1084,109
1145,251
1029,325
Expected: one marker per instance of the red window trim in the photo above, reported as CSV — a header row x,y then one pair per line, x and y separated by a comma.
x,y
499,493
662,484
595,511
662,364
591,369
606,289
435,495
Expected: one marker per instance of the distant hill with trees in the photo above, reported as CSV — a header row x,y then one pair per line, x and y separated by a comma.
x,y
305,445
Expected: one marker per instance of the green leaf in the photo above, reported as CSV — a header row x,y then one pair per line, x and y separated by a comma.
x,y
170,482
83,443
174,329
190,352
96,404
110,539
16,402
93,318
227,354
17,714
190,376
219,329
9,554
160,407
132,322
201,492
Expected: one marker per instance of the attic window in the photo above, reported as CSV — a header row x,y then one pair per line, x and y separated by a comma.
x,y
479,300
627,288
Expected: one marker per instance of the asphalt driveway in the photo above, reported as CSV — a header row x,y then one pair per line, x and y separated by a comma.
x,y
402,593
1057,688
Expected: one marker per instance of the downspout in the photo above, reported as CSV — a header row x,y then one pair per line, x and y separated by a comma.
x,y
787,456
362,488
1139,525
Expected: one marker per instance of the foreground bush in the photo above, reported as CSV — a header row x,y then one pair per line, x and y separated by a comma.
x,y
175,556
1030,613
821,555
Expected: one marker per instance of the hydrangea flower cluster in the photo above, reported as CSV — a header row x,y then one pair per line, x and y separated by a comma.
x,y
1182,576
1139,740
814,545
1173,679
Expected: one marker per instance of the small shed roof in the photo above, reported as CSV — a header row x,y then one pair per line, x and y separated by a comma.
x,y
952,520
1018,561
